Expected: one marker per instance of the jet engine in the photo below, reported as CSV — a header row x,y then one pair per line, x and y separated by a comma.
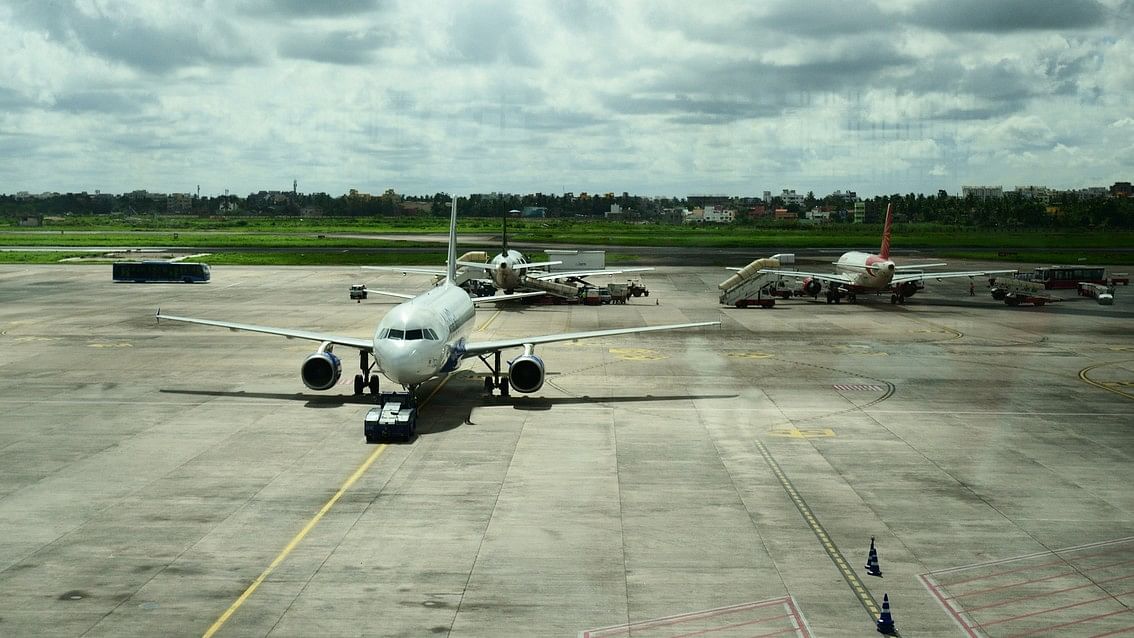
x,y
812,287
526,373
321,370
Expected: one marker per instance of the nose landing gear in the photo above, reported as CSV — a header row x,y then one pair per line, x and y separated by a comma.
x,y
366,380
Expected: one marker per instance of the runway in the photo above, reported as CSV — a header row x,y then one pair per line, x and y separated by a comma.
x,y
171,479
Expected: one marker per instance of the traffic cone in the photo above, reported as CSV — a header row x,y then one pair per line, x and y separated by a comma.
x,y
872,567
885,622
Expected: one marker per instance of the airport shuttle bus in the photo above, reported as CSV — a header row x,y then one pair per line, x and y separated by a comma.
x,y
1055,277
160,272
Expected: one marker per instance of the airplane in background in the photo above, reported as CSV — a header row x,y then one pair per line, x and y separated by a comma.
x,y
510,271
427,337
858,272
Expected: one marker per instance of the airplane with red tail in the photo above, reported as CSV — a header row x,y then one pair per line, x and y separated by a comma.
x,y
858,272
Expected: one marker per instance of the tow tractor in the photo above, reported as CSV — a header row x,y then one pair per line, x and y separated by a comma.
x,y
395,418
358,292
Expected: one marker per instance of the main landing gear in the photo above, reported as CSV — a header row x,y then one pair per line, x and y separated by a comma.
x,y
896,298
496,380
366,380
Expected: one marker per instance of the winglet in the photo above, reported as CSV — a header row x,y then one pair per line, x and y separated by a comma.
x,y
884,253
451,276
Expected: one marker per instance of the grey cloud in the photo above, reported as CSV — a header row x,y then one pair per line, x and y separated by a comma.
x,y
310,8
335,47
129,41
490,34
11,100
826,18
104,101
1000,16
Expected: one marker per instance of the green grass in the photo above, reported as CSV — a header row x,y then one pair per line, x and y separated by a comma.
x,y
323,259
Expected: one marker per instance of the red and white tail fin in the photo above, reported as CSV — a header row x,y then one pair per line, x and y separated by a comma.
x,y
884,253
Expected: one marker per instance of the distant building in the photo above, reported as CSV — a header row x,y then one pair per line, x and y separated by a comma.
x,y
672,215
860,212
1121,189
30,220
718,215
982,192
1039,194
701,201
791,198
783,214
534,211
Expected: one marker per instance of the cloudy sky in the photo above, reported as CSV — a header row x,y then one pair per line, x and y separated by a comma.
x,y
650,97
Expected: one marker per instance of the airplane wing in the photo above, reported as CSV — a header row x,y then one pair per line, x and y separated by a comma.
x,y
411,270
586,273
536,264
821,276
353,342
899,279
516,295
390,294
919,266
484,347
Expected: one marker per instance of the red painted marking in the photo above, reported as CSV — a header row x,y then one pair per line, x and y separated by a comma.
x,y
1051,609
739,624
1061,561
961,622
1114,633
680,618
1068,624
1093,583
1065,550
1011,585
790,602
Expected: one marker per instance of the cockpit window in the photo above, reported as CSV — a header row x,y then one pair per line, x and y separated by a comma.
x,y
408,335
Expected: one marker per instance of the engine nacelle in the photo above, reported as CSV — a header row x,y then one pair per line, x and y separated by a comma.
x,y
526,373
321,371
812,287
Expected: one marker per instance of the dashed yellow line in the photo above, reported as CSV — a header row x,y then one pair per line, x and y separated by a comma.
x,y
298,538
1111,386
849,575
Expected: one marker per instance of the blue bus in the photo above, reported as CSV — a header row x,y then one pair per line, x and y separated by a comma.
x,y
160,272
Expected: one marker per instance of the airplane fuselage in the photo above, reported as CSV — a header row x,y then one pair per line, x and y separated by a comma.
x,y
503,272
421,338
869,272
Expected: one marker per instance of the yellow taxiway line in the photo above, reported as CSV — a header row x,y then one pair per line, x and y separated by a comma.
x,y
298,538
848,573
1083,376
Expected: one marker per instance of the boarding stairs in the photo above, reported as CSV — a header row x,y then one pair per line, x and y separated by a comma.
x,y
749,282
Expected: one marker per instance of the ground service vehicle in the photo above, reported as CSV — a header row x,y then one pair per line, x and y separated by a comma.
x,y
1055,277
358,292
395,418
635,288
160,272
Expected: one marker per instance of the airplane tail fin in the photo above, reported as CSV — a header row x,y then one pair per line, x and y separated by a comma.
x,y
884,253
451,274
504,249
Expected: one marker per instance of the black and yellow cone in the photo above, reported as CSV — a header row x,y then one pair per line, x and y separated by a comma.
x,y
885,622
872,566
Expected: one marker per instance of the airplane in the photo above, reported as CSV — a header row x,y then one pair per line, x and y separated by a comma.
x,y
425,337
509,271
859,272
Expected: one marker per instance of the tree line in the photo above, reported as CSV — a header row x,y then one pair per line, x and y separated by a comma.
x,y
1063,210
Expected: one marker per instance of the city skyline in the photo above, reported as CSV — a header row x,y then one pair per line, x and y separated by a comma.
x,y
658,99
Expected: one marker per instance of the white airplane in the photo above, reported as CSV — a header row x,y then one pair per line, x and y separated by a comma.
x,y
427,337
509,271
858,272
